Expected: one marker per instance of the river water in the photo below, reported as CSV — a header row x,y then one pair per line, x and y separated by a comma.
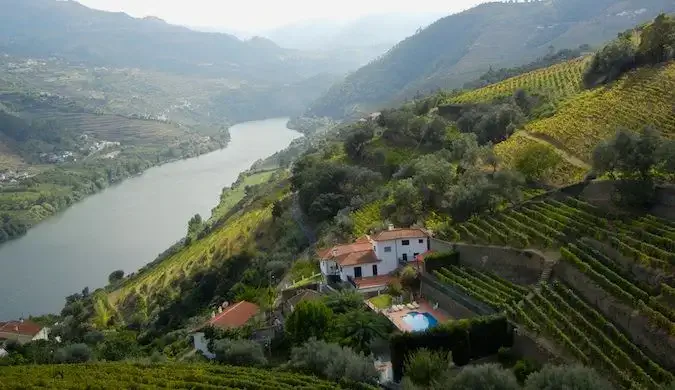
x,y
127,225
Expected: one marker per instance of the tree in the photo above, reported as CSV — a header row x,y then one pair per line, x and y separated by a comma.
x,y
118,345
332,362
195,225
611,62
537,162
74,353
359,328
115,276
309,319
356,142
658,40
239,352
277,210
563,377
344,302
424,367
483,377
409,278
404,207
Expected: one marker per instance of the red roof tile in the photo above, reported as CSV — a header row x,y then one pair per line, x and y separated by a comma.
x,y
25,328
360,252
235,315
396,234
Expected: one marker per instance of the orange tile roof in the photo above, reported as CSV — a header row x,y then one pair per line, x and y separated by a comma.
x,y
360,252
373,281
423,256
395,234
235,315
24,328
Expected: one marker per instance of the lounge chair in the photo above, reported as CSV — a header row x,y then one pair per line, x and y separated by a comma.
x,y
410,306
415,305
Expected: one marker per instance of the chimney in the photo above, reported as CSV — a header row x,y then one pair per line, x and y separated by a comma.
x,y
334,252
390,227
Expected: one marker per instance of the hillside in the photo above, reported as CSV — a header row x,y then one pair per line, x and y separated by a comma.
x,y
71,31
125,375
460,47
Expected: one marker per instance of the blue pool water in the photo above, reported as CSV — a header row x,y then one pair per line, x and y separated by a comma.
x,y
420,321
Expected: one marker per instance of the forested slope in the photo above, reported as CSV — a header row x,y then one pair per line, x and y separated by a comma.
x,y
460,47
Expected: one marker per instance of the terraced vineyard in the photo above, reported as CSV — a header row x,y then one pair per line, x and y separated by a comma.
x,y
556,83
643,97
557,313
112,127
482,286
128,376
604,272
551,223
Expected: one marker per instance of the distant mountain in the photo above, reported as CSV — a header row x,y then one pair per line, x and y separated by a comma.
x,y
460,47
384,29
69,30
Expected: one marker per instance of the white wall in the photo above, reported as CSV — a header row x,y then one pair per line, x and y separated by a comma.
x,y
366,270
391,259
326,265
43,334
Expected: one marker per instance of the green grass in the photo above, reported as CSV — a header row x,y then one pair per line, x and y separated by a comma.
x,y
381,301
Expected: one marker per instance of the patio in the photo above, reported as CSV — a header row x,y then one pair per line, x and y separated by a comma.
x,y
396,316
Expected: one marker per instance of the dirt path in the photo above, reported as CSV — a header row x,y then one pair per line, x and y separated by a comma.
x,y
577,162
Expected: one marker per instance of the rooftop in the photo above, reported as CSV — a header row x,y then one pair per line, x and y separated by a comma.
x,y
373,281
24,328
235,315
360,252
395,234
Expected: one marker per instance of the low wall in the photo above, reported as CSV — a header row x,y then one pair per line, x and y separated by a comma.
x,y
529,348
522,267
655,342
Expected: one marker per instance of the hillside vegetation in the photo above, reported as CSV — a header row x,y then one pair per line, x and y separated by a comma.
x,y
460,47
126,376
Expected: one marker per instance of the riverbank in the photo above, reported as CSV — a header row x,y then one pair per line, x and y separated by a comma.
x,y
126,225
28,202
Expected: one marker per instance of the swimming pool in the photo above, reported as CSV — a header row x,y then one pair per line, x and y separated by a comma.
x,y
419,321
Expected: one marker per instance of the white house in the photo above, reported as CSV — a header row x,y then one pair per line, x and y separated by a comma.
x,y
368,262
23,331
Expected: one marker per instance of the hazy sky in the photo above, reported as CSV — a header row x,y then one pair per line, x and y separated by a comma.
x,y
258,15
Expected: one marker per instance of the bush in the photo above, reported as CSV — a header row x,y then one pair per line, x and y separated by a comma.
x,y
309,319
466,339
425,366
524,368
75,353
333,362
611,62
564,377
239,353
537,162
484,377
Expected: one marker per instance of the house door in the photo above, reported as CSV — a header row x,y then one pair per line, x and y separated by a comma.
x,y
357,272
405,257
374,269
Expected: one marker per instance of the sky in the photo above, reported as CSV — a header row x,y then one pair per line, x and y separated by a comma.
x,y
260,15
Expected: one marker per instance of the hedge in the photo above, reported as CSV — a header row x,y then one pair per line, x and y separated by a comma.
x,y
467,339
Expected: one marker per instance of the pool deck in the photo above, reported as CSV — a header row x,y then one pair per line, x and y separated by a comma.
x,y
397,316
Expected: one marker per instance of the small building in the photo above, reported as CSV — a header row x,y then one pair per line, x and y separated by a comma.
x,y
22,331
368,262
230,317
302,295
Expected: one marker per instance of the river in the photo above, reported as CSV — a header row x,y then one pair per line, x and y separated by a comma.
x,y
127,225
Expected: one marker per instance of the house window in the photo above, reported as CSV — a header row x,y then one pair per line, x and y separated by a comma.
x,y
421,241
357,272
387,249
405,242
405,257
374,269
